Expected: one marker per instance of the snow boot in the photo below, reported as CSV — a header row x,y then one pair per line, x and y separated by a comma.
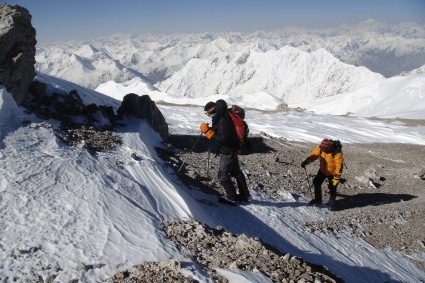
x,y
225,200
315,202
331,203
229,190
244,196
317,196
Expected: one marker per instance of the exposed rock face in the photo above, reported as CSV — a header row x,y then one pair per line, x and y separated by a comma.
x,y
143,107
17,50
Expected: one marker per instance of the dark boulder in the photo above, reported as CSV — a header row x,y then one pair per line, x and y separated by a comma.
x,y
143,107
17,50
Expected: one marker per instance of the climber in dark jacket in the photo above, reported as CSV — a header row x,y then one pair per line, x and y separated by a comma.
x,y
223,134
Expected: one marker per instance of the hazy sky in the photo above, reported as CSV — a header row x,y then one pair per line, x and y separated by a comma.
x,y
57,20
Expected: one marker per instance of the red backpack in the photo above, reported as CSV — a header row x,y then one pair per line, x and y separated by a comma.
x,y
238,115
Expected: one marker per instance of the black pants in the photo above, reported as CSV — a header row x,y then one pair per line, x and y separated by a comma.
x,y
228,167
317,183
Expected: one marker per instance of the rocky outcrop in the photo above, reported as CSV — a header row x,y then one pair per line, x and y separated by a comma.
x,y
17,50
143,107
63,107
217,248
91,125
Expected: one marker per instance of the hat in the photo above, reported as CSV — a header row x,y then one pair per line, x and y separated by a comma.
x,y
210,108
325,144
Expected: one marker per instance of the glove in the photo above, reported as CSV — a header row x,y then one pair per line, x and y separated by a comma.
x,y
335,181
304,163
206,130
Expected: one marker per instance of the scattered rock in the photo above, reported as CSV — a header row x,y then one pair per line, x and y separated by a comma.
x,y
163,271
389,214
16,253
94,140
421,174
81,266
216,248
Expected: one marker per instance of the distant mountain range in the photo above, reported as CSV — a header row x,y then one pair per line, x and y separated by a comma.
x,y
85,65
291,64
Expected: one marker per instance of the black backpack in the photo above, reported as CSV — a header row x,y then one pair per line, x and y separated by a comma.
x,y
336,146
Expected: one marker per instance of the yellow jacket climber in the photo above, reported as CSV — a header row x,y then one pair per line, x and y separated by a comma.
x,y
330,165
331,162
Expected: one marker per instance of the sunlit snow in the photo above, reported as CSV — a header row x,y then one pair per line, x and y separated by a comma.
x,y
108,208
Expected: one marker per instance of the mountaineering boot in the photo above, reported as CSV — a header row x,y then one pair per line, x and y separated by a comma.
x,y
244,195
227,201
229,191
317,201
331,203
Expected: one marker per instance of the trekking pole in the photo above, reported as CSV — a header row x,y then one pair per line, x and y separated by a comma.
x,y
208,163
190,152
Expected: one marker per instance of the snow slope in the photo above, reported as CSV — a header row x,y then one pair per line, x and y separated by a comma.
x,y
402,97
78,208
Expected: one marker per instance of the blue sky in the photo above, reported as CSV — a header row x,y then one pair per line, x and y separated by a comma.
x,y
77,19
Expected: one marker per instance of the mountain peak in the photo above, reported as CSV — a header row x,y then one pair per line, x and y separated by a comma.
x,y
87,51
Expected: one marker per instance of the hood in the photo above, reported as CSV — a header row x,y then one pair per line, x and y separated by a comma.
x,y
221,107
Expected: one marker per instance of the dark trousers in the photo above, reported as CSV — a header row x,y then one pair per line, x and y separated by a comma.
x,y
317,183
229,167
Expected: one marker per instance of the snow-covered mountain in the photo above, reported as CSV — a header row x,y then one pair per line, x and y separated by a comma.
x,y
288,74
86,66
418,71
397,97
387,49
